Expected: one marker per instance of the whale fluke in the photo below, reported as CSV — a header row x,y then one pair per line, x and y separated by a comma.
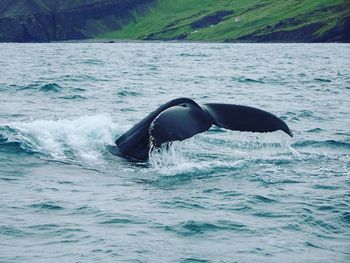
x,y
183,118
245,118
179,123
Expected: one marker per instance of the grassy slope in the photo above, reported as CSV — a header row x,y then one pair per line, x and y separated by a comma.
x,y
171,18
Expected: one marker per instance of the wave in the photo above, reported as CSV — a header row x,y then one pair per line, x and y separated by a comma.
x,y
79,140
192,227
127,93
74,97
186,54
12,231
93,61
324,143
13,147
299,115
247,80
315,130
322,80
46,206
51,87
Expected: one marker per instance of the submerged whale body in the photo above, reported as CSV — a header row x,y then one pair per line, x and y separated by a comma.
x,y
182,118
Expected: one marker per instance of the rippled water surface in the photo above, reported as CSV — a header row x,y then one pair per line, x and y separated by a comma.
x,y
221,196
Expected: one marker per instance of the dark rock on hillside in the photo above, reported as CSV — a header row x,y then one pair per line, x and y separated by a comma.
x,y
287,22
212,19
296,30
38,23
339,33
293,30
301,34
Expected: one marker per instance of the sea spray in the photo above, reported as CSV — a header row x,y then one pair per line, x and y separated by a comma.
x,y
77,140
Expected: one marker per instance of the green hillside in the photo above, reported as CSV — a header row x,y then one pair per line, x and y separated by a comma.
x,y
192,20
255,20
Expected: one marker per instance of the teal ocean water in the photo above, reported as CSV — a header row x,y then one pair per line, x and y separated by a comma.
x,y
221,196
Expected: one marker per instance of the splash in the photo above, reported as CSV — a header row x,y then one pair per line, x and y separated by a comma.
x,y
224,150
167,155
79,140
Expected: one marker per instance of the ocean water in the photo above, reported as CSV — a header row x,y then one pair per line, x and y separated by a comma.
x,y
221,196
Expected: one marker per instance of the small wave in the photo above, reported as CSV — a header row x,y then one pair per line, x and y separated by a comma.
x,y
263,199
51,87
247,80
118,221
185,54
270,214
14,147
325,143
46,206
74,97
326,187
79,89
126,93
13,232
194,260
44,227
304,114
346,217
33,86
8,140
84,210
93,62
182,204
322,80
315,130
191,228
82,77
343,133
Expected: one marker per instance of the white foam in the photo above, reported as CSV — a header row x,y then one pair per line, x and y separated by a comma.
x,y
82,139
220,150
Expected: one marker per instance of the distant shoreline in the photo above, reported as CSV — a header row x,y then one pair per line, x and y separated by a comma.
x,y
113,41
178,21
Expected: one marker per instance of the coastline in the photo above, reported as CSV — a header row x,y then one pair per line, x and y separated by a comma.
x,y
114,41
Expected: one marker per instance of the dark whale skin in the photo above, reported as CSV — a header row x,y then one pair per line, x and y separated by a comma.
x,y
182,118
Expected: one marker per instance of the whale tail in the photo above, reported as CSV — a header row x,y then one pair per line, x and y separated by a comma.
x,y
180,122
182,118
244,118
